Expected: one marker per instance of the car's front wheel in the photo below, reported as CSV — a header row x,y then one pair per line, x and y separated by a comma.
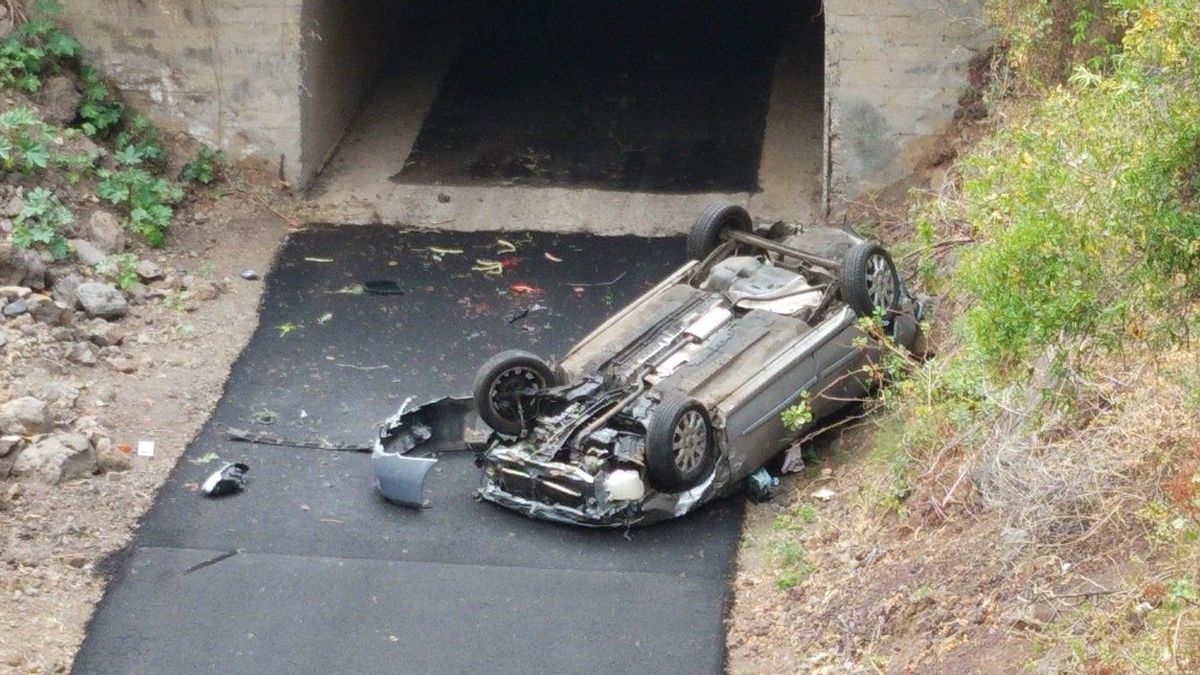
x,y
503,386
680,444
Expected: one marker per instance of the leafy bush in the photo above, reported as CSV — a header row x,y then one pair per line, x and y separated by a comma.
x,y
121,269
1088,203
23,137
149,200
139,144
204,168
41,221
100,111
37,48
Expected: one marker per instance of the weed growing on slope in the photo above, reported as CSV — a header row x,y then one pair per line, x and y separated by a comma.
x,y
41,222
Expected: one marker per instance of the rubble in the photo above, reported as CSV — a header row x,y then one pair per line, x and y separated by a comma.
x,y
25,416
82,353
60,99
87,253
104,232
149,271
58,458
101,300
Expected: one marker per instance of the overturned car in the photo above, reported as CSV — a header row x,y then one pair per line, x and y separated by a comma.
x,y
678,398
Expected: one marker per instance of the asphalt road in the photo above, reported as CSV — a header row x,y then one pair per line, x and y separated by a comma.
x,y
324,575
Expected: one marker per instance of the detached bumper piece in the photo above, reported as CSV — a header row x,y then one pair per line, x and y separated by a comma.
x,y
402,454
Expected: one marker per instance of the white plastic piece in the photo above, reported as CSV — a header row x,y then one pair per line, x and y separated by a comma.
x,y
145,449
624,485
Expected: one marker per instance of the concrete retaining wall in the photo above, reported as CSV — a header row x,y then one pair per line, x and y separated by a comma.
x,y
228,71
895,70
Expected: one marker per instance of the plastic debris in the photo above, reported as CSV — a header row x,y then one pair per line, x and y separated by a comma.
x,y
824,494
145,448
551,257
762,486
249,275
382,287
227,480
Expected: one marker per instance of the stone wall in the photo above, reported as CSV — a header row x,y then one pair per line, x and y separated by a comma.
x,y
227,71
895,70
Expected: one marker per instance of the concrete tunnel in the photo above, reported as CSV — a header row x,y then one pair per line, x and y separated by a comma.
x,y
586,114
647,96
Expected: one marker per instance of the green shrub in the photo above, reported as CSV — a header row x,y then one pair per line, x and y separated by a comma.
x,y
23,141
138,144
1087,204
148,199
121,269
204,167
100,111
41,221
37,48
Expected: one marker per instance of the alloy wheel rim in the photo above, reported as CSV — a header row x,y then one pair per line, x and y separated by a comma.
x,y
690,440
881,285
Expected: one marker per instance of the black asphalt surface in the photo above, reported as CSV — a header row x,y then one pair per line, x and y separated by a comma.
x,y
653,96
327,577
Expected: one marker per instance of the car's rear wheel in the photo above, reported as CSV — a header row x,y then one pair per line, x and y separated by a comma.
x,y
680,448
869,281
705,235
503,386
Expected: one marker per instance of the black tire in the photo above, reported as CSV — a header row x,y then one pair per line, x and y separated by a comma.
x,y
705,235
869,281
670,466
500,383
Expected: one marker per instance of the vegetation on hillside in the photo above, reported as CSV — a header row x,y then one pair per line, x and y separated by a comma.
x,y
1061,399
1067,390
105,149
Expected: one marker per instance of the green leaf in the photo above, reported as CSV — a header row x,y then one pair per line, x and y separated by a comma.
x,y
128,156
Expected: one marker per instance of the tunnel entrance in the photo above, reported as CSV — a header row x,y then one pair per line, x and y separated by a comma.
x,y
680,99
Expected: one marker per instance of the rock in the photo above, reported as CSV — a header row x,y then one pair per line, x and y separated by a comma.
x,y
104,232
22,268
9,443
58,393
87,252
16,308
45,310
82,353
121,364
104,334
109,458
64,287
249,275
101,300
25,416
57,458
12,200
148,271
60,99
11,293
443,198
207,290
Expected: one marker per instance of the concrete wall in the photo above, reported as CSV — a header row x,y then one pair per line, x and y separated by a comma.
x,y
228,71
895,70
345,44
